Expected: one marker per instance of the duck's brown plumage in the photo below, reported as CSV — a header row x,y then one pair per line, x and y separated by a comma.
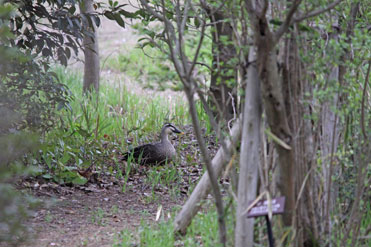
x,y
155,153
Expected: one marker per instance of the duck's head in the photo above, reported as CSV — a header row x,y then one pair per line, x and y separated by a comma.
x,y
169,128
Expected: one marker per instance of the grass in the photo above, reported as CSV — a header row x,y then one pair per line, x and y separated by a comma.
x,y
121,111
203,231
166,176
90,132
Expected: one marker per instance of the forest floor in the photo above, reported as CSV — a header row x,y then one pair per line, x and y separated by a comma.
x,y
95,214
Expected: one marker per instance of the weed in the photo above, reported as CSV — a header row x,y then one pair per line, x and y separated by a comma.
x,y
163,176
145,213
114,210
97,217
124,239
48,217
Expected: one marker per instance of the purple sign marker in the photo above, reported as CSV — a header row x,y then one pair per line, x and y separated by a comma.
x,y
261,207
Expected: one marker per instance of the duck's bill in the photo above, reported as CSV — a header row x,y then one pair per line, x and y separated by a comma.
x,y
178,132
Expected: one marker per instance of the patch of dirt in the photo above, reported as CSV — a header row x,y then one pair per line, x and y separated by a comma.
x,y
91,215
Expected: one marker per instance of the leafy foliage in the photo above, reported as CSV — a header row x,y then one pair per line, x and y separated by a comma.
x,y
51,31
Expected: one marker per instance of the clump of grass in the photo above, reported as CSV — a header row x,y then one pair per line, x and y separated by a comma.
x,y
97,217
167,176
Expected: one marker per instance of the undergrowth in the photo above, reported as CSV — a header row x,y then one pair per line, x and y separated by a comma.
x,y
92,133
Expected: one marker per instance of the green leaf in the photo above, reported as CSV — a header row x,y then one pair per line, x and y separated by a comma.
x,y
109,15
119,20
197,22
72,10
128,14
47,176
79,180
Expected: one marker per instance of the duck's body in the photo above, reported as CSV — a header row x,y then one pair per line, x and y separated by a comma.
x,y
155,153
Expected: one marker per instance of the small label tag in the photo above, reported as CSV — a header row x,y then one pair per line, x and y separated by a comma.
x,y
261,207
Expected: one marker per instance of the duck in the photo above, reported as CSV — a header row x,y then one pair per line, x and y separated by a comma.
x,y
155,153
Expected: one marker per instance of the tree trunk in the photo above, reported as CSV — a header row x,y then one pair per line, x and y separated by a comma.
x,y
278,122
295,86
191,207
329,139
91,51
249,157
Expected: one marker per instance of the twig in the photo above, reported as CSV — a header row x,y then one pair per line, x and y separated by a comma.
x,y
210,170
277,139
234,112
317,12
364,95
198,46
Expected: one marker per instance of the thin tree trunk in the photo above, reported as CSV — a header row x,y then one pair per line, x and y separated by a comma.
x,y
91,51
274,106
278,122
249,157
330,133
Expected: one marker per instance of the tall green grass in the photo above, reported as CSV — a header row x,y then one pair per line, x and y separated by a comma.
x,y
120,111
92,132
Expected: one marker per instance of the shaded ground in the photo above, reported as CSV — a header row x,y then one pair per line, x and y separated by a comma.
x,y
94,214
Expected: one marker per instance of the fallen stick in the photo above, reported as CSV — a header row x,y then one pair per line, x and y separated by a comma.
x,y
192,205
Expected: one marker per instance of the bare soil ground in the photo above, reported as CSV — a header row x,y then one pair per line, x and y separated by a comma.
x,y
91,215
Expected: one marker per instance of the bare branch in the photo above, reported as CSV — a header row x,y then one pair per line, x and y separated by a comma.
x,y
286,24
181,26
317,12
249,7
264,9
185,16
209,168
363,102
199,44
152,11
193,203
